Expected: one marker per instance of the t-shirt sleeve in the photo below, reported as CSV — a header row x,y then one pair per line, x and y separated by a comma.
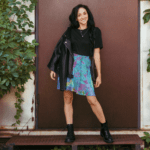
x,y
98,38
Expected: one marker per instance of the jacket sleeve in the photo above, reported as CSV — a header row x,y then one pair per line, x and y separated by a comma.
x,y
54,60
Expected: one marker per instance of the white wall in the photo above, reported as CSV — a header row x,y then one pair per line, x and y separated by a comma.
x,y
145,76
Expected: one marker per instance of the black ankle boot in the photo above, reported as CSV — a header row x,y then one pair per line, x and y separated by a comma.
x,y
70,135
105,133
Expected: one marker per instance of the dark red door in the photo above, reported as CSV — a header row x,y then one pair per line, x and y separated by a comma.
x,y
118,93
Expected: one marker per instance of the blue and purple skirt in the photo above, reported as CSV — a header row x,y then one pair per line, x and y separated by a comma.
x,y
82,82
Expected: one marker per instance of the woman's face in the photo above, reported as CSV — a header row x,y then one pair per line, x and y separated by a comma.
x,y
82,16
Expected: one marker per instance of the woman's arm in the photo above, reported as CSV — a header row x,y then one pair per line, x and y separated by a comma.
x,y
97,61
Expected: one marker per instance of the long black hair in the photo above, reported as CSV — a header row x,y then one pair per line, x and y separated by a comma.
x,y
75,24
73,16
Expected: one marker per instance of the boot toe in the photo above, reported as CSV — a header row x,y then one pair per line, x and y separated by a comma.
x,y
109,140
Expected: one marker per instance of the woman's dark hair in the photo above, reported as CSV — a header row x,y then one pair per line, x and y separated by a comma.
x,y
75,24
74,13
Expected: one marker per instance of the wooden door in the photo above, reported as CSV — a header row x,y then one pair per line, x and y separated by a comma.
x,y
118,93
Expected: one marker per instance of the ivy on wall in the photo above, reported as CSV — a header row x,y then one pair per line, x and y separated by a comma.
x,y
16,54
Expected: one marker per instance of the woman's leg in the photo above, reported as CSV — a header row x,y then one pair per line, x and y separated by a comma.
x,y
96,107
68,109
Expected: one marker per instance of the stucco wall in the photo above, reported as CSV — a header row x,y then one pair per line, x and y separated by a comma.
x,y
145,76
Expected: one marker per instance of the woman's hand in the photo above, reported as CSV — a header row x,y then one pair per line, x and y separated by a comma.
x,y
52,75
98,82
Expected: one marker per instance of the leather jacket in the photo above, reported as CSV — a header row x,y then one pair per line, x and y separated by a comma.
x,y
62,60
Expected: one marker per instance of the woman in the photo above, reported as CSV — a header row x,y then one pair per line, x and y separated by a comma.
x,y
83,27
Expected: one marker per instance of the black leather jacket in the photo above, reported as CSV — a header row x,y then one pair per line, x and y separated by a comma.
x,y
62,60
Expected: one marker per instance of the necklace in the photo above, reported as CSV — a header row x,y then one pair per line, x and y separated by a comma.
x,y
84,33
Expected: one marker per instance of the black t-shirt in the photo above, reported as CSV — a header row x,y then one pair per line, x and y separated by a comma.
x,y
81,45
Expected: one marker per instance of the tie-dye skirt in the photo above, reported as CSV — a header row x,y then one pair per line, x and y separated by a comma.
x,y
82,82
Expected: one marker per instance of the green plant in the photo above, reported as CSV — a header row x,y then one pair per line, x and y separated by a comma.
x,y
146,17
148,62
96,147
64,147
56,148
146,138
16,54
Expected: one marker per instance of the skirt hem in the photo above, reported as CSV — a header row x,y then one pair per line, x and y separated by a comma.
x,y
77,92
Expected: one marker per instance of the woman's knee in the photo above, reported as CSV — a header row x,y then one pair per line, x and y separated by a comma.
x,y
68,97
92,100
